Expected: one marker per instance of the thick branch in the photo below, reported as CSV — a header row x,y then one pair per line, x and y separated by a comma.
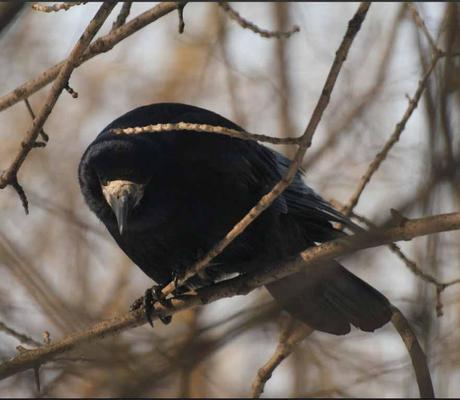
x,y
241,285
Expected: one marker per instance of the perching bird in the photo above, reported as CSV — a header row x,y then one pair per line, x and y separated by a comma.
x,y
169,197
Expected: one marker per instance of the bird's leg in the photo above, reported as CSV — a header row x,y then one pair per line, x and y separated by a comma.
x,y
148,305
150,297
177,277
159,296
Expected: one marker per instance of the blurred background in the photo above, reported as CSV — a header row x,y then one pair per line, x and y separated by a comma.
x,y
60,271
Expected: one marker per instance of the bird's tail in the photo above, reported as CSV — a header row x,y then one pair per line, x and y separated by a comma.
x,y
329,298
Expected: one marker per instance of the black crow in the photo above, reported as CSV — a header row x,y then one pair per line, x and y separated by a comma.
x,y
168,197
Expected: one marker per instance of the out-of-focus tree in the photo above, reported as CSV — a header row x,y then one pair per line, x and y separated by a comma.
x,y
61,272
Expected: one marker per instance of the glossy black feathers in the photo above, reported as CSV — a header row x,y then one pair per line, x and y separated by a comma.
x,y
197,186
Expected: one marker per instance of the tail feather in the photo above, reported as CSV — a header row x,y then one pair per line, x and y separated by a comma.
x,y
329,298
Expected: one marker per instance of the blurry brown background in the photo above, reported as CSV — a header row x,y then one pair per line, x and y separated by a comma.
x,y
61,272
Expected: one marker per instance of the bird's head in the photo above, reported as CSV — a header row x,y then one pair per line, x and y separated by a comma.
x,y
114,176
127,180
122,195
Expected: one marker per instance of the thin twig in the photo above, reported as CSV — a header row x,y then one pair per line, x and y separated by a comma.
x,y
101,45
421,24
180,14
287,342
23,338
13,182
9,176
241,285
354,26
244,23
123,15
37,378
57,6
70,90
205,128
43,135
410,264
363,102
399,128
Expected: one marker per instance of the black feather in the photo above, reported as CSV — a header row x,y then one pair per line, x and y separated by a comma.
x,y
197,186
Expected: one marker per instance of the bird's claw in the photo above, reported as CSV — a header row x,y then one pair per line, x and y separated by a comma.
x,y
147,301
137,304
148,306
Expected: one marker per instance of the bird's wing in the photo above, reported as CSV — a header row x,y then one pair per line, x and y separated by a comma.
x,y
265,167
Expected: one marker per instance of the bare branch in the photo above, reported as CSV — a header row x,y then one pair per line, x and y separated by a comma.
x,y
43,134
354,26
123,15
287,342
363,102
180,13
421,24
410,264
18,335
417,356
205,128
101,45
13,182
399,128
65,5
9,176
244,23
241,285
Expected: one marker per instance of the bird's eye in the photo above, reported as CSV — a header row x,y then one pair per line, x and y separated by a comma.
x,y
103,181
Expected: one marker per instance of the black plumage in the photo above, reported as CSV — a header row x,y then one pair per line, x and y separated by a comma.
x,y
188,189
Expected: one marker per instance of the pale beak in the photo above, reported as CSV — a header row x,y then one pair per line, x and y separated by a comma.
x,y
122,196
121,207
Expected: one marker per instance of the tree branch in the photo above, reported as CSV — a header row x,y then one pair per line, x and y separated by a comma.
x,y
241,285
65,5
417,356
205,128
399,128
287,342
354,26
21,337
123,15
101,45
9,176
244,23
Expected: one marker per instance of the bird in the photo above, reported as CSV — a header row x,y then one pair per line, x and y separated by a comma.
x,y
168,197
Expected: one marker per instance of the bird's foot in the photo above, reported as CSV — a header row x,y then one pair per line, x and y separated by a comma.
x,y
148,300
177,277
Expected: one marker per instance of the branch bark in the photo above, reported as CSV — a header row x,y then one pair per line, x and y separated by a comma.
x,y
286,345
9,176
204,128
354,26
101,45
393,139
417,356
241,285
